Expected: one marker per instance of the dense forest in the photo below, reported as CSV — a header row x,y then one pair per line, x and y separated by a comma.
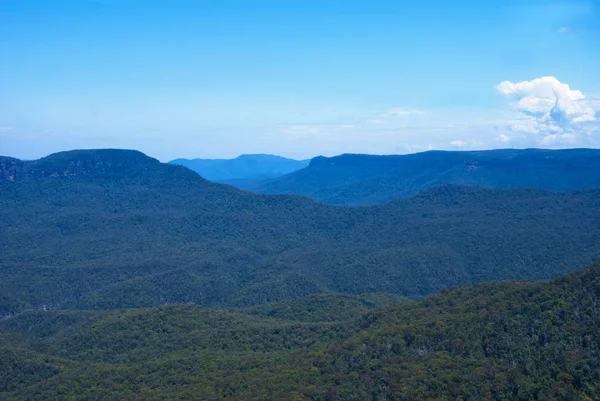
x,y
116,229
367,179
511,340
222,268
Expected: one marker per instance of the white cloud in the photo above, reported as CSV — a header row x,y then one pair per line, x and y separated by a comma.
x,y
563,30
503,138
529,126
559,139
471,144
543,112
584,118
549,108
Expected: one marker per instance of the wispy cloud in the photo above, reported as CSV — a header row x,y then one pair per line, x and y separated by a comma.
x,y
316,129
464,144
458,144
563,30
503,138
401,112
543,112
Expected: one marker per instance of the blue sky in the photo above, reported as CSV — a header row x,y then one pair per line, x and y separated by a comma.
x,y
297,78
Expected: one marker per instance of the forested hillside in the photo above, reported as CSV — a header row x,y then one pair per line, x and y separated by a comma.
x,y
365,179
116,229
325,307
512,340
362,274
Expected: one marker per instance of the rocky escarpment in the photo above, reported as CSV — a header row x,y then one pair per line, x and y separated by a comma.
x,y
10,168
77,163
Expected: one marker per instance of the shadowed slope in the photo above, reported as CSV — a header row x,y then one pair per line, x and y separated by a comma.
x,y
115,236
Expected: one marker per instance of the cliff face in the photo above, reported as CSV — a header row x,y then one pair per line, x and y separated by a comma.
x,y
10,168
96,163
353,179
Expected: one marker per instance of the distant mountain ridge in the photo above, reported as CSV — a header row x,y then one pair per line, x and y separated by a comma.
x,y
122,230
354,179
244,167
106,163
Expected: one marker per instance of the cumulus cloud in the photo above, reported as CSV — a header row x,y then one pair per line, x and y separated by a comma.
x,y
558,114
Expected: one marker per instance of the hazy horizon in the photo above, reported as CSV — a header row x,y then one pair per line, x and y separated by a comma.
x,y
286,157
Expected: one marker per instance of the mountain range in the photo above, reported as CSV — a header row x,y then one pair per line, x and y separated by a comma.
x,y
125,278
366,180
242,169
110,229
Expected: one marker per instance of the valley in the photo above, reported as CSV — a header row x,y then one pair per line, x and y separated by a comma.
x,y
117,229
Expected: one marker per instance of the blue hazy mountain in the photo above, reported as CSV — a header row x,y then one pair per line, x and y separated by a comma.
x,y
244,167
105,229
355,179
